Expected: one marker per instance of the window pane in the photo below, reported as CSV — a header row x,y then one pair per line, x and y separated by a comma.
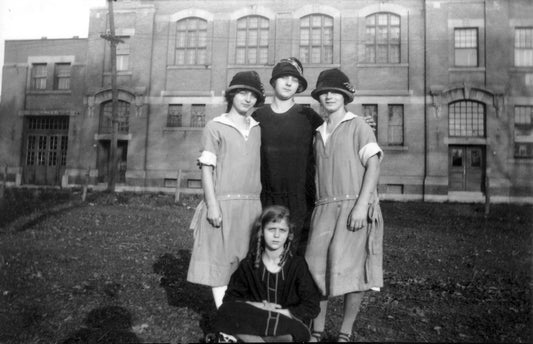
x,y
382,19
395,131
202,39
328,36
201,55
252,38
381,56
180,40
372,111
263,56
304,54
382,38
523,47
316,43
239,56
394,53
122,62
328,55
191,35
241,38
180,57
315,36
466,118
252,56
370,54
457,157
197,115
466,57
370,35
315,55
304,37
263,37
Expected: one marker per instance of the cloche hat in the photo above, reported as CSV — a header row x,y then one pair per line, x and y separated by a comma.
x,y
248,80
290,66
334,80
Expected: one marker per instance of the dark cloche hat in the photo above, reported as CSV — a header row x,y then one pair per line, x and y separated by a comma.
x,y
290,66
334,80
248,80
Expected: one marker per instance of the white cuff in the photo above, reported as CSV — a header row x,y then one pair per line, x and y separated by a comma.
x,y
368,151
207,158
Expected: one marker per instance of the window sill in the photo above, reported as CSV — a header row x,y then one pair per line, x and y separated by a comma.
x,y
394,148
382,65
119,73
172,129
49,92
466,69
125,137
524,69
251,66
520,161
192,66
465,140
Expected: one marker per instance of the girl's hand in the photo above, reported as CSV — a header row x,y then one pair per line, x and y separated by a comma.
x,y
214,215
358,217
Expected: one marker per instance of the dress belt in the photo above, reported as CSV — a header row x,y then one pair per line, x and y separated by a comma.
x,y
237,196
336,199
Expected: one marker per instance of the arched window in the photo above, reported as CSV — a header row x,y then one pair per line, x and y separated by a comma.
x,y
106,116
316,39
382,38
466,118
191,41
252,40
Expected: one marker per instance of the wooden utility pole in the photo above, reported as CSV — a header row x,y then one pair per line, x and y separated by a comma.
x,y
113,40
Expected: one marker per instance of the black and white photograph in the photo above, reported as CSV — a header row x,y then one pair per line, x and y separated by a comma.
x,y
266,171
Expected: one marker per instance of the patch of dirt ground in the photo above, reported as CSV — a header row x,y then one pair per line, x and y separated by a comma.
x,y
113,269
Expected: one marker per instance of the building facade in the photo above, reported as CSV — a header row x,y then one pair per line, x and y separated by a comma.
x,y
449,83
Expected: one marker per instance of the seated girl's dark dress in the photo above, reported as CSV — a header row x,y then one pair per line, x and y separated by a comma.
x,y
292,287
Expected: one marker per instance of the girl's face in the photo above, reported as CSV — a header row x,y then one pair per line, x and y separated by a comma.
x,y
331,101
275,234
286,87
243,101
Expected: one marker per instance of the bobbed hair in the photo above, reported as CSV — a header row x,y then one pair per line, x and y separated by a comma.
x,y
273,213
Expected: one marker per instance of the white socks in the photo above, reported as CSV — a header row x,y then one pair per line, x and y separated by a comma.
x,y
218,294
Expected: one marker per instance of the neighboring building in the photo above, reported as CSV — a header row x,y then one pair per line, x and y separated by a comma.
x,y
450,84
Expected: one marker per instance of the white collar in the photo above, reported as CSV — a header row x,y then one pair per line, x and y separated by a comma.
x,y
322,129
224,119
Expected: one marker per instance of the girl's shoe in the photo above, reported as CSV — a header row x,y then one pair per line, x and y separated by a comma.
x,y
316,336
344,338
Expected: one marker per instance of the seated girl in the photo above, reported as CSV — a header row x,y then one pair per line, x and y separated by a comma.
x,y
271,296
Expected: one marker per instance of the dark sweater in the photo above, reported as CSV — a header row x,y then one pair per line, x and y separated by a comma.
x,y
297,292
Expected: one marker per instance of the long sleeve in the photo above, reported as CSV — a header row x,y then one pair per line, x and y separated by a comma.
x,y
238,286
309,305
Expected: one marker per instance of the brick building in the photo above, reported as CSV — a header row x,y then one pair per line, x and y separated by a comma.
x,y
449,82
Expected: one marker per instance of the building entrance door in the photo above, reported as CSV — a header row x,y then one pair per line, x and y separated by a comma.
x,y
45,149
104,161
466,168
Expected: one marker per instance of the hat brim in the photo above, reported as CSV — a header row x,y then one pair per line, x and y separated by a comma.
x,y
318,91
302,83
260,97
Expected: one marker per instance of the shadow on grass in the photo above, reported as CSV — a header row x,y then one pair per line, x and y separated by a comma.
x,y
21,209
180,293
106,325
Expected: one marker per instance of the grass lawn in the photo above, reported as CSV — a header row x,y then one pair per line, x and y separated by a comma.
x,y
113,268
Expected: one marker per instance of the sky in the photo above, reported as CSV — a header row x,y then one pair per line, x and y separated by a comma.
x,y
33,19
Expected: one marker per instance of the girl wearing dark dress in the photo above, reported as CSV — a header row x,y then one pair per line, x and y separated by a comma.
x,y
271,296
287,160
